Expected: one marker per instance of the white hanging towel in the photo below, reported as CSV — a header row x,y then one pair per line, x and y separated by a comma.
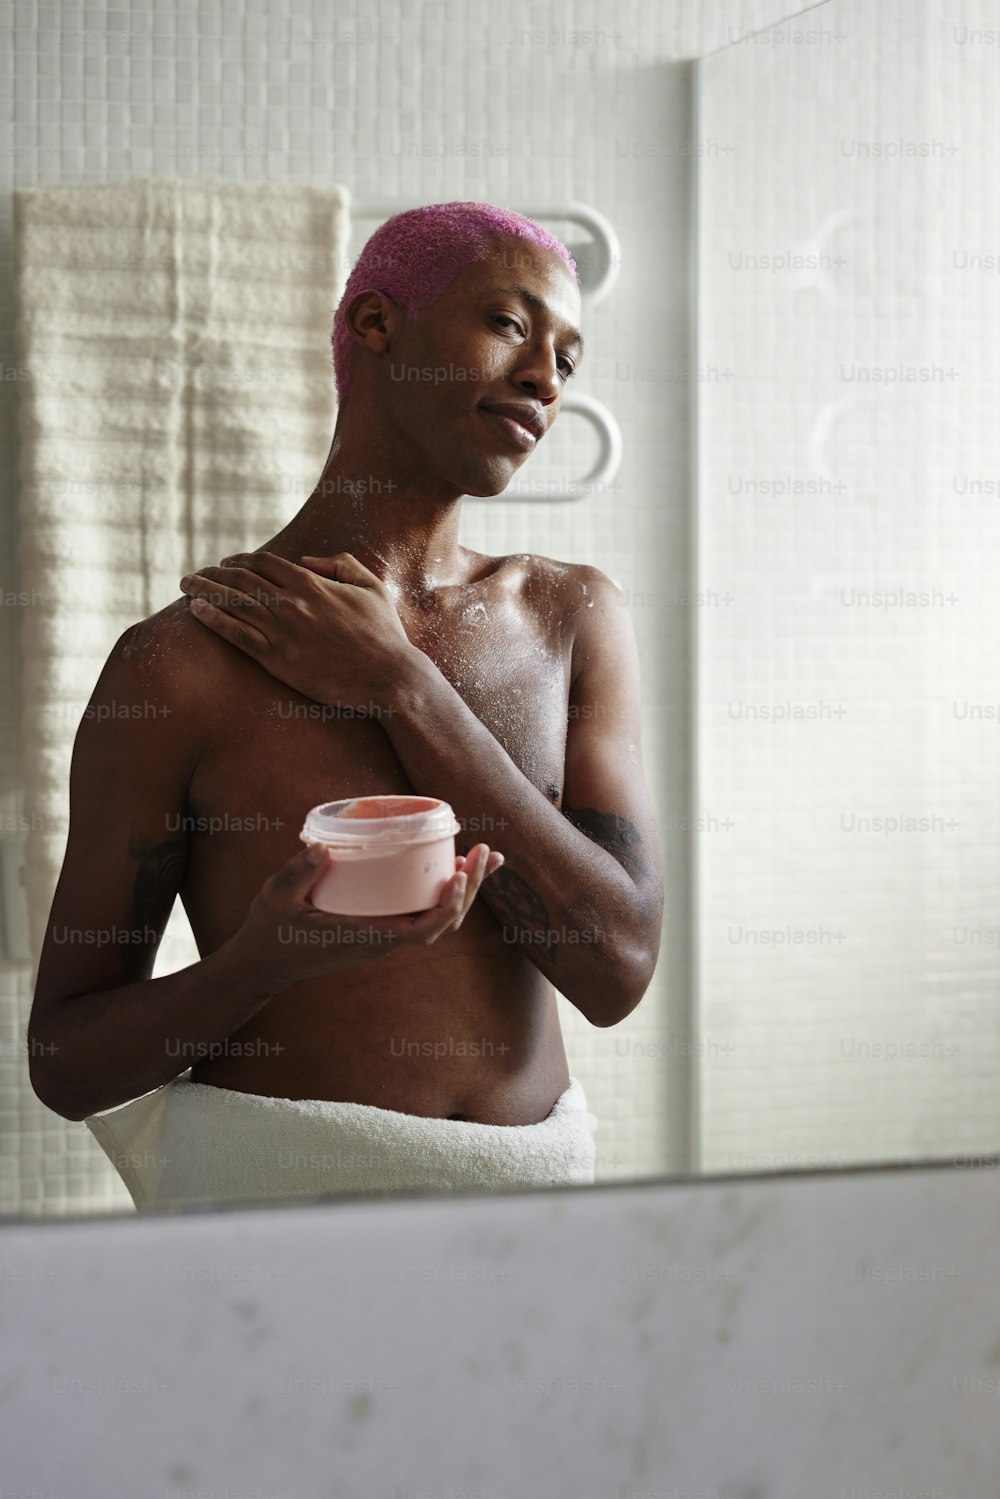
x,y
179,404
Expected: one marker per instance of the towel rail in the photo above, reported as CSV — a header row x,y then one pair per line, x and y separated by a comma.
x,y
596,282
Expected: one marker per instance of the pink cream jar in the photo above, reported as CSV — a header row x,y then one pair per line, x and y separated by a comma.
x,y
391,854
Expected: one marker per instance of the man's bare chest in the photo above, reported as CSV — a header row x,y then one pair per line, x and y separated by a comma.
x,y
272,753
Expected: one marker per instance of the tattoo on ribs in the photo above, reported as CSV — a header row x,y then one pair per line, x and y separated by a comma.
x,y
161,868
610,831
522,913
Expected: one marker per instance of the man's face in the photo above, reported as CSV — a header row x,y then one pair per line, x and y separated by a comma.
x,y
504,333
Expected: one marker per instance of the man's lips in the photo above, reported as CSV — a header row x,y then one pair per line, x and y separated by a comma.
x,y
515,430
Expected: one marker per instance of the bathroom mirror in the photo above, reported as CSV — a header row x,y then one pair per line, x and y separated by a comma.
x,y
803,529
847,532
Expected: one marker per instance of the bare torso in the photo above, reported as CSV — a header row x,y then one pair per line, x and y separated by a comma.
x,y
466,1027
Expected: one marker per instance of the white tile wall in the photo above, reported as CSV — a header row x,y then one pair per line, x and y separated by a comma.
x,y
872,1032
506,102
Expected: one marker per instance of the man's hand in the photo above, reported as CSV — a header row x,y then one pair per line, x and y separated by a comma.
x,y
286,939
329,628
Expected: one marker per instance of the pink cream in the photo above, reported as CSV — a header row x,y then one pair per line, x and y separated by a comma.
x,y
389,855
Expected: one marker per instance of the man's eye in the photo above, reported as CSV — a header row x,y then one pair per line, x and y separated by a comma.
x,y
501,317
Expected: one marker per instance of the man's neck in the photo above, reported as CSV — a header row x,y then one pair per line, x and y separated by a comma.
x,y
404,538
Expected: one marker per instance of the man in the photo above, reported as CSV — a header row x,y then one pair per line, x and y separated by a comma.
x,y
363,650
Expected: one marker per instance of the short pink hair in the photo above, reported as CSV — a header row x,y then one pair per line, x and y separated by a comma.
x,y
413,257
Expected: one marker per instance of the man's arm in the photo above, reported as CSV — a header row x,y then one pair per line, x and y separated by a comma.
x,y
101,1031
581,890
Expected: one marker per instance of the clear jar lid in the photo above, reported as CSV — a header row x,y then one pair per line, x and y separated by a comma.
x,y
363,820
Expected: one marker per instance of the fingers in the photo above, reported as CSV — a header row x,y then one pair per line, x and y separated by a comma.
x,y
456,897
428,925
208,583
479,862
342,567
266,565
299,875
484,859
493,860
301,872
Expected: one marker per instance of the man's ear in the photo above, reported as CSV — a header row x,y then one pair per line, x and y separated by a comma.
x,y
371,320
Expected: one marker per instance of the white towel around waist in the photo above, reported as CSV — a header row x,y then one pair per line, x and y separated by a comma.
x,y
194,1143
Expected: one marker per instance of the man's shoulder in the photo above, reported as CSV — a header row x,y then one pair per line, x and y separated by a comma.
x,y
168,652
576,585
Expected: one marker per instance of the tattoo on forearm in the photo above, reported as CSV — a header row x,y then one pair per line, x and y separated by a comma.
x,y
521,912
610,831
161,869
